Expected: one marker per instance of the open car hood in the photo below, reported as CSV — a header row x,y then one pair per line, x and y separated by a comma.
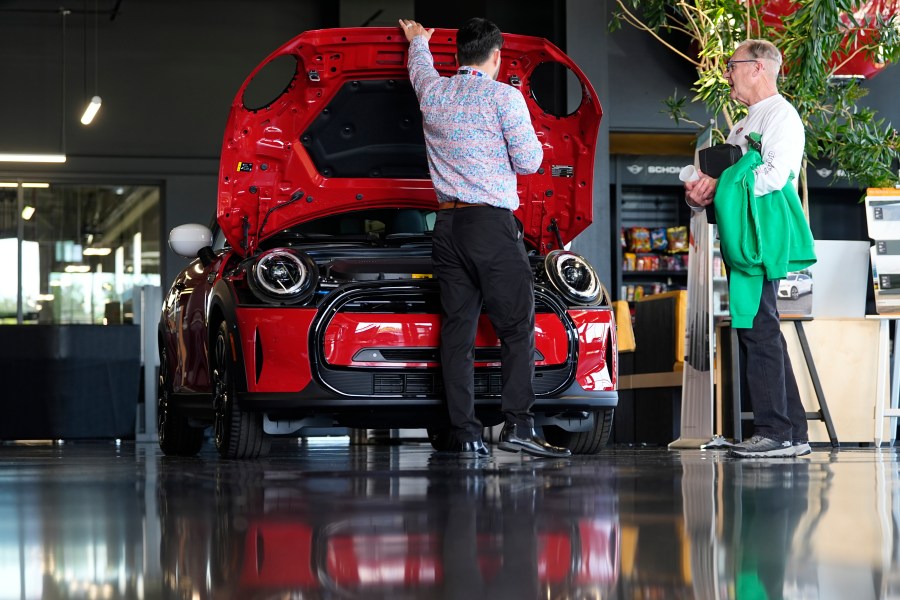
x,y
329,123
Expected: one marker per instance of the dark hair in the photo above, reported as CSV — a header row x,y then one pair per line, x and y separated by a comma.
x,y
476,40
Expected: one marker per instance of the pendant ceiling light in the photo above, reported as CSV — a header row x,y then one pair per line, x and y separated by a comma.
x,y
94,105
63,13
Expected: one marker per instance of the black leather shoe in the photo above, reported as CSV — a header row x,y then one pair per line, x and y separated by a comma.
x,y
522,439
475,449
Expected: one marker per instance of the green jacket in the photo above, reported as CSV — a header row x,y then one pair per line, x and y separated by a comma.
x,y
764,237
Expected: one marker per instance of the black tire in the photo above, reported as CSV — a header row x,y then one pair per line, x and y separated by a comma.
x,y
794,293
238,433
583,442
175,434
441,439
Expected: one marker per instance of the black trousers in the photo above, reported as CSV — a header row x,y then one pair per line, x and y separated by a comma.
x,y
517,578
479,257
778,413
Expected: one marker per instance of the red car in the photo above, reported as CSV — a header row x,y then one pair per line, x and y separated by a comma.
x,y
312,304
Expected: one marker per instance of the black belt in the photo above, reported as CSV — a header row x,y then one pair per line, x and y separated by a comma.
x,y
451,204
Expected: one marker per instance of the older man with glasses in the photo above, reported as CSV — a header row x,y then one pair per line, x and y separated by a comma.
x,y
784,242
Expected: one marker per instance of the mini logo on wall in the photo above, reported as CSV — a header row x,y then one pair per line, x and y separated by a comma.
x,y
823,173
634,169
245,167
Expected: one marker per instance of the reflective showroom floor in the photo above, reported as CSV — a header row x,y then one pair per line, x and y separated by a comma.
x,y
330,520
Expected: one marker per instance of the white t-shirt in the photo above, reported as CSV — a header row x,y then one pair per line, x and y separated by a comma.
x,y
783,141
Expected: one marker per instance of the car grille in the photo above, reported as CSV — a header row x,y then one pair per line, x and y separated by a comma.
x,y
429,383
425,381
429,304
431,355
401,383
409,355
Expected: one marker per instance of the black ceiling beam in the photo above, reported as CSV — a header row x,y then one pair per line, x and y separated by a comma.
x,y
112,12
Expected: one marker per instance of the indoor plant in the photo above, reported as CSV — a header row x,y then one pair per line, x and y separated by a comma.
x,y
820,41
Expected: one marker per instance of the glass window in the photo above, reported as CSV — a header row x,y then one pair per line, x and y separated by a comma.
x,y
83,250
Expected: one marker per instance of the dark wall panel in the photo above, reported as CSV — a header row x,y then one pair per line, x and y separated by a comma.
x,y
584,20
167,71
70,382
542,18
642,73
883,91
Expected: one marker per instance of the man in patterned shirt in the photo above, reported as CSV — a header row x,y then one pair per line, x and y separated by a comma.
x,y
478,136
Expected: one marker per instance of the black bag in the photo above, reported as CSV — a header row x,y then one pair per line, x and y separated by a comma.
x,y
715,159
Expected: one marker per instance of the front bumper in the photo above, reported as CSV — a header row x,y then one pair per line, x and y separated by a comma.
x,y
344,356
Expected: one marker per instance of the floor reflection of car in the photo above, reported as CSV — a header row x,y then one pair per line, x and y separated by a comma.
x,y
400,553
795,285
311,302
373,555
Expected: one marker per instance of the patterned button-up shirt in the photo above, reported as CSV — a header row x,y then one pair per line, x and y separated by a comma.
x,y
478,133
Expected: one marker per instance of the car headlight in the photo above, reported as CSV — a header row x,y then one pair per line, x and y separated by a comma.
x,y
283,275
573,277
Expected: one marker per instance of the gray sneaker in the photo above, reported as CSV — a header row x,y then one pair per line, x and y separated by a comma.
x,y
759,446
801,448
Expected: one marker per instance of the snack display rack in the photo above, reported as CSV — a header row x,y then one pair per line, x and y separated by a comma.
x,y
653,241
653,261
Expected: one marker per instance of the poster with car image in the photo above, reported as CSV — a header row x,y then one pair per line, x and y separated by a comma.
x,y
795,294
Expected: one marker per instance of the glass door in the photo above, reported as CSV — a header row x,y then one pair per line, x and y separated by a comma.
x,y
83,247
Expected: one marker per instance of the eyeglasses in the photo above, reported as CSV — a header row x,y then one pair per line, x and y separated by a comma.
x,y
729,66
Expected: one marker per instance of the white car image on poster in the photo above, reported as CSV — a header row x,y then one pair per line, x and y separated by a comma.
x,y
795,285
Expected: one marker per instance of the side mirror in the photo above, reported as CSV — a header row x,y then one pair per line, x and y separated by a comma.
x,y
187,240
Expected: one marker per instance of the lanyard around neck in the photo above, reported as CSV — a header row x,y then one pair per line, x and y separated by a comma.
x,y
469,71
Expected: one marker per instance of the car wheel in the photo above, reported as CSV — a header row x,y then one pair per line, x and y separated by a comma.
x,y
583,442
238,433
441,439
794,293
175,434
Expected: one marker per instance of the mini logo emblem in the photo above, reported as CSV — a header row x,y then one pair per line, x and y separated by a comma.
x,y
634,169
823,173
